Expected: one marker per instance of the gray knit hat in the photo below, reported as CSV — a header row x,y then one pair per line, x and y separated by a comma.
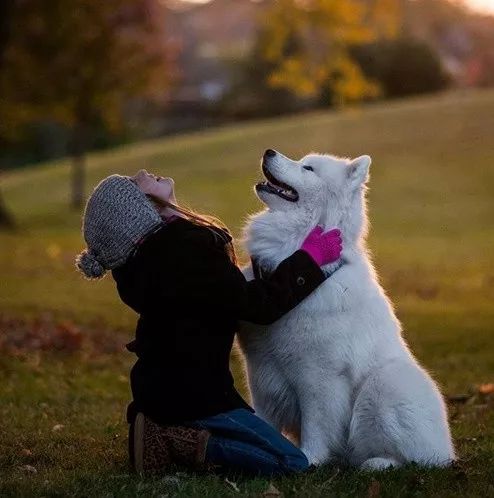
x,y
117,216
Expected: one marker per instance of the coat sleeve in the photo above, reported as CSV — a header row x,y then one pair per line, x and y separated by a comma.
x,y
265,301
203,277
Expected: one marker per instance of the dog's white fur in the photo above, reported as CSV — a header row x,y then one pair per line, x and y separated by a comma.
x,y
335,371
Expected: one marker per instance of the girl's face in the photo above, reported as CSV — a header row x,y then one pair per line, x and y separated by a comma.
x,y
160,187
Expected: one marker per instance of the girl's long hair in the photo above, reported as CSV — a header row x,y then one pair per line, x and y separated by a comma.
x,y
217,227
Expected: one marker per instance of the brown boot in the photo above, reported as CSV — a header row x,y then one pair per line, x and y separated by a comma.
x,y
187,446
155,447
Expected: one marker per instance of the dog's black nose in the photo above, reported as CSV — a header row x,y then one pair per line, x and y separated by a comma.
x,y
270,153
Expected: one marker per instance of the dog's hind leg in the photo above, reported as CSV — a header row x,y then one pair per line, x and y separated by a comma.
x,y
398,415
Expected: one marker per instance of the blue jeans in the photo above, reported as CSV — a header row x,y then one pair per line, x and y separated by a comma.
x,y
242,442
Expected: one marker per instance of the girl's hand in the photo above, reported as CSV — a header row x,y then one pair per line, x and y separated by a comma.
x,y
323,247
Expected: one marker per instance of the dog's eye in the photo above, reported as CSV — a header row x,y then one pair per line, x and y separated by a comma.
x,y
308,168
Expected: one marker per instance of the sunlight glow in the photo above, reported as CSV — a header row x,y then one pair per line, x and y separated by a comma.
x,y
479,5
482,5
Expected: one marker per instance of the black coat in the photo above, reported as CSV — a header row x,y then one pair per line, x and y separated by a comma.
x,y
190,297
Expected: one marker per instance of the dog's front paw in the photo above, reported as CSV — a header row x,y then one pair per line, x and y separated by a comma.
x,y
312,457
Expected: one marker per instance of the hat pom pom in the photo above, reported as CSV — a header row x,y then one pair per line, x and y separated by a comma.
x,y
89,265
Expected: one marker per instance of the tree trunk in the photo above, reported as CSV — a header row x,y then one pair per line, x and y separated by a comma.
x,y
78,165
6,220
6,7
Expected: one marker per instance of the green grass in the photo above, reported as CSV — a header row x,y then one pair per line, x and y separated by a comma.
x,y
431,206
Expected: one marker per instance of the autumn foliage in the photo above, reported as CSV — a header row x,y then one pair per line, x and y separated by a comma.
x,y
309,43
80,62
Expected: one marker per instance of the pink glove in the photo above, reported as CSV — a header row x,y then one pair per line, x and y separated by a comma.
x,y
324,248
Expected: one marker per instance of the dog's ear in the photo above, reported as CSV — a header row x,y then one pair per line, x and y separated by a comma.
x,y
358,170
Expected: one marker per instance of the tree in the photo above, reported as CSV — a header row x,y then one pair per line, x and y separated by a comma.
x,y
81,61
6,220
404,66
308,42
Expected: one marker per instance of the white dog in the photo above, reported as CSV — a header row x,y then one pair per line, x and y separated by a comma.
x,y
335,371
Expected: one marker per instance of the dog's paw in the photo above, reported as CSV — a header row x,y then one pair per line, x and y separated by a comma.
x,y
379,464
313,459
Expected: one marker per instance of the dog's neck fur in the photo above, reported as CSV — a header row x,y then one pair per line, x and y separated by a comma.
x,y
276,236
272,236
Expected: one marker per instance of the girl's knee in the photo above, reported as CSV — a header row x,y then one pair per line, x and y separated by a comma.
x,y
297,462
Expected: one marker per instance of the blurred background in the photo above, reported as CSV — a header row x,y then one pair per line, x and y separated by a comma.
x,y
198,90
89,75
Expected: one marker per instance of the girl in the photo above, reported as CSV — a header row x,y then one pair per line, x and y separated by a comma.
x,y
177,270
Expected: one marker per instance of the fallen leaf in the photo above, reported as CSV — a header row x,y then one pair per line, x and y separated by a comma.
x,y
30,469
57,427
232,484
272,491
486,388
374,489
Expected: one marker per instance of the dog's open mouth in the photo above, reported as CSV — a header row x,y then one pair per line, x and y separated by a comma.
x,y
277,187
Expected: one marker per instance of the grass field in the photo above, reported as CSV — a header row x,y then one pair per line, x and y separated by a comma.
x,y
432,208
